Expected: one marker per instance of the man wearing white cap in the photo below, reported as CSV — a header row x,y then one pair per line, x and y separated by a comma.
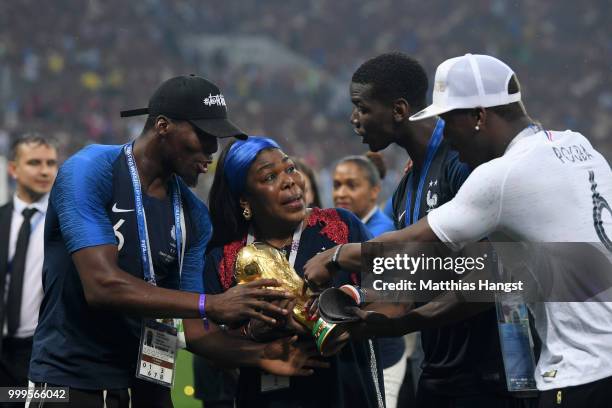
x,y
528,185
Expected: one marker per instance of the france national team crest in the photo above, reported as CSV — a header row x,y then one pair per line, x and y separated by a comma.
x,y
432,197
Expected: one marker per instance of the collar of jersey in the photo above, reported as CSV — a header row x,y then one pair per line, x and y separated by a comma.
x,y
528,131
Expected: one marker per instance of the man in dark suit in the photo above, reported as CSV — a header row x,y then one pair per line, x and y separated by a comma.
x,y
33,166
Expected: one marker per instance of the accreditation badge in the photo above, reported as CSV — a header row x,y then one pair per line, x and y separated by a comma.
x,y
157,354
516,343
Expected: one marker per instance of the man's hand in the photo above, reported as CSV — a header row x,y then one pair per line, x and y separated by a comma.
x,y
291,323
318,270
286,357
286,325
370,323
386,320
336,341
243,302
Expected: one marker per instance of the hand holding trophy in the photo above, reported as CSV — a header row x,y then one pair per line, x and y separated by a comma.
x,y
260,260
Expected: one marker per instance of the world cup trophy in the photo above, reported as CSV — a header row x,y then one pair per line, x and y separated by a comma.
x,y
262,261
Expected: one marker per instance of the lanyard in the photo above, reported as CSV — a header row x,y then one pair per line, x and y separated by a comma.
x,y
295,243
141,219
432,148
180,230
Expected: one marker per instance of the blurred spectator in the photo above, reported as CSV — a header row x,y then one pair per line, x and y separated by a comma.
x,y
33,165
311,189
84,61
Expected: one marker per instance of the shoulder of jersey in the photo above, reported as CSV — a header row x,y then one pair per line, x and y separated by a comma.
x,y
94,153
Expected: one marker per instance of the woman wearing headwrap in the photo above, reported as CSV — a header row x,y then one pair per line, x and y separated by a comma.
x,y
257,195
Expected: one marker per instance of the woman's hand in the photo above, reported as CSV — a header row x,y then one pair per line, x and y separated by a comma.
x,y
286,325
287,357
312,307
246,301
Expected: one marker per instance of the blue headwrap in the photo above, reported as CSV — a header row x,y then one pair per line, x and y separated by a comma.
x,y
239,159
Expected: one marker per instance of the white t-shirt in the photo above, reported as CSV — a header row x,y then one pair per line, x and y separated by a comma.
x,y
542,190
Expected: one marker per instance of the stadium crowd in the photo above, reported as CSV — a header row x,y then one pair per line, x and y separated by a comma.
x,y
69,69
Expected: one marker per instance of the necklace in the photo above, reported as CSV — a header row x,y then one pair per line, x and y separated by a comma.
x,y
283,247
293,240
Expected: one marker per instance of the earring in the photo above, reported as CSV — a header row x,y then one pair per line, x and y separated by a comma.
x,y
477,128
246,213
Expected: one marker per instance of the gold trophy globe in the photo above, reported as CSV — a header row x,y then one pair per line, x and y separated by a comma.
x,y
262,261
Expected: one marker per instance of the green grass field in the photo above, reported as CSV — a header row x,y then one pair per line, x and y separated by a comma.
x,y
182,393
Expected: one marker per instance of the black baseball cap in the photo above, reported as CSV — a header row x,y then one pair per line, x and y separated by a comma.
x,y
193,99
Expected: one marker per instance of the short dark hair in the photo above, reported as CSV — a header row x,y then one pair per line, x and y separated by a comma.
x,y
365,164
394,75
34,138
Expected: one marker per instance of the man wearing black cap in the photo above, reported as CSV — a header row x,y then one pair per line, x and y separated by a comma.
x,y
125,239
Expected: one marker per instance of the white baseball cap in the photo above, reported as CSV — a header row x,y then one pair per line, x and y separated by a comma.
x,y
469,81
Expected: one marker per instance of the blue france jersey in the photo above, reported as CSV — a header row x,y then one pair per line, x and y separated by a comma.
x,y
379,223
91,204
